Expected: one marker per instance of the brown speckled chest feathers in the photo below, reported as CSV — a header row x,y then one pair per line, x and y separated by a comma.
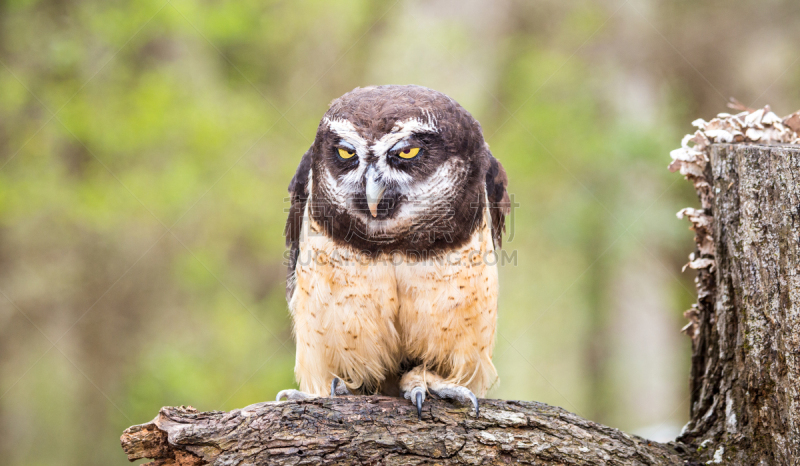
x,y
397,210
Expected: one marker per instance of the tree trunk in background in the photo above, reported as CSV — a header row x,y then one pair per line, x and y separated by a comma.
x,y
746,330
745,334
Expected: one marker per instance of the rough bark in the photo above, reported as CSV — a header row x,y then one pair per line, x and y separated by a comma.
x,y
745,367
384,430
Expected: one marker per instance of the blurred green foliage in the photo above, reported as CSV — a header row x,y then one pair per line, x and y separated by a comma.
x,y
145,150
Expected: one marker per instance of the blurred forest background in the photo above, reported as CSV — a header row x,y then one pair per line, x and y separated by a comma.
x,y
146,147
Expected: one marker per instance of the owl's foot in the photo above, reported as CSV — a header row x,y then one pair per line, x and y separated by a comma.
x,y
418,381
459,393
338,388
294,395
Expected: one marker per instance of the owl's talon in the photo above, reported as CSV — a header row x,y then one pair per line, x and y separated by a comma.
x,y
293,395
456,392
338,388
416,395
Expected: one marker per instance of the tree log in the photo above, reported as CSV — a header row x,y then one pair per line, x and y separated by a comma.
x,y
745,378
385,430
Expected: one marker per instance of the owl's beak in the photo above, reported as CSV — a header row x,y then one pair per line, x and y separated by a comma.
x,y
375,190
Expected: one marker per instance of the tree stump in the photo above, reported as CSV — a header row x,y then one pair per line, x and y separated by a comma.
x,y
746,363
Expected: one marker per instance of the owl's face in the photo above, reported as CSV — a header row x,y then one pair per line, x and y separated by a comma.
x,y
397,166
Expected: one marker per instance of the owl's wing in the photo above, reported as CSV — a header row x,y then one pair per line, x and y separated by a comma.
x,y
499,203
298,193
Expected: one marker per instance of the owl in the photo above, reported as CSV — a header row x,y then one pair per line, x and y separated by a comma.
x,y
397,211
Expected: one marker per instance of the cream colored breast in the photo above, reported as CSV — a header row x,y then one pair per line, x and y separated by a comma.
x,y
344,311
448,311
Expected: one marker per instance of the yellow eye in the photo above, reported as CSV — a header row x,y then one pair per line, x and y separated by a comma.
x,y
346,154
409,152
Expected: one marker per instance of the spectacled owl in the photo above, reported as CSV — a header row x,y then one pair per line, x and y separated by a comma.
x,y
396,212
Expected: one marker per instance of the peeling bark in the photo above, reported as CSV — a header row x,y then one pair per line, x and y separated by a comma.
x,y
384,430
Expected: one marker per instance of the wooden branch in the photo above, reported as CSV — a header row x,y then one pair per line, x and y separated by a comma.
x,y
384,430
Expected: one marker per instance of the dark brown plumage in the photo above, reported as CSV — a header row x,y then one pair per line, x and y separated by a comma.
x,y
374,111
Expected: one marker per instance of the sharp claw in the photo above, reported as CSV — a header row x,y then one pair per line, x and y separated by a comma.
x,y
474,400
281,394
334,383
418,396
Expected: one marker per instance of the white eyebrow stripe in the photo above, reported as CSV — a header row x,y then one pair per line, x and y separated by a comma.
x,y
400,145
403,130
345,130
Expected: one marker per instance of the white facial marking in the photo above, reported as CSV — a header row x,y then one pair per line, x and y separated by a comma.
x,y
347,132
352,179
426,195
440,185
402,130
338,193
349,137
399,145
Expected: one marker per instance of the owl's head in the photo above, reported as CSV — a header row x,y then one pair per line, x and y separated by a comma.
x,y
398,166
